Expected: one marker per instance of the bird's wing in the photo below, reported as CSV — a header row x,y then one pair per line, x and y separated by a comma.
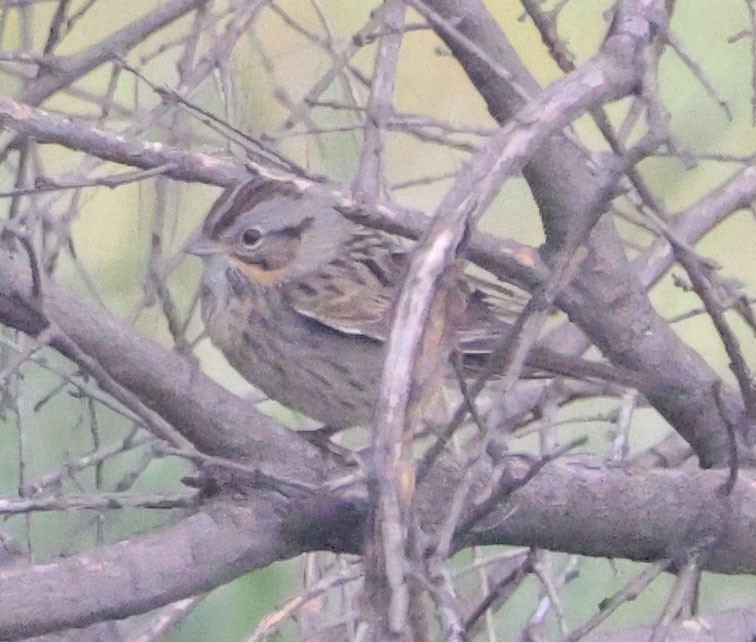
x,y
354,294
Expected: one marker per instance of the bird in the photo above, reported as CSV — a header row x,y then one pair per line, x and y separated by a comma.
x,y
299,300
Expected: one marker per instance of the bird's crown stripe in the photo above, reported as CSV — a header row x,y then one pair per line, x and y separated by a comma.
x,y
244,197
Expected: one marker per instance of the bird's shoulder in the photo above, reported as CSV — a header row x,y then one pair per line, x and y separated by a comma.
x,y
353,293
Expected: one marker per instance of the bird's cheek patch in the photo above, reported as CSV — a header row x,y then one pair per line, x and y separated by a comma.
x,y
261,274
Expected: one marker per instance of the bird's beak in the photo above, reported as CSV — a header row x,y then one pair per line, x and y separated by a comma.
x,y
199,245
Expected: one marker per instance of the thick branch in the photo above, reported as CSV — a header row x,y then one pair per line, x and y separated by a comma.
x,y
140,574
633,515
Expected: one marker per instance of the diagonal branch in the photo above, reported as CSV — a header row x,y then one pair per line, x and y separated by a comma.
x,y
214,420
612,73
65,70
607,301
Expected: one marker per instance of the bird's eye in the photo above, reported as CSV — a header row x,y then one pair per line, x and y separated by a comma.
x,y
251,237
